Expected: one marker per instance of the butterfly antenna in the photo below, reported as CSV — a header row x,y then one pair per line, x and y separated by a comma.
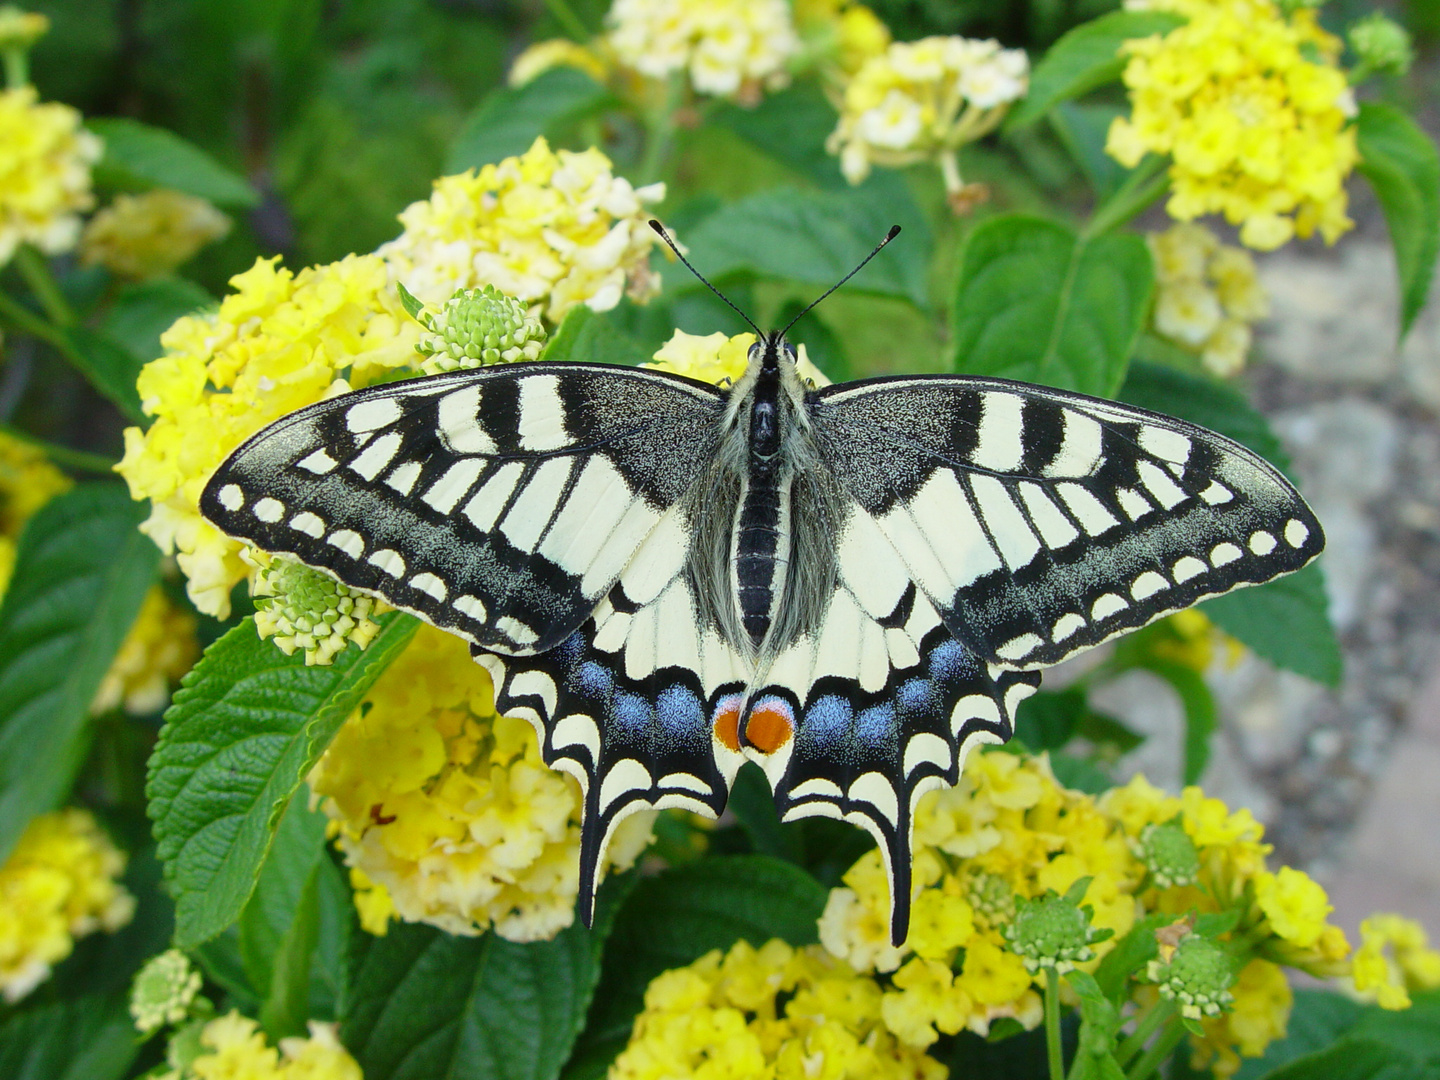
x,y
660,229
894,232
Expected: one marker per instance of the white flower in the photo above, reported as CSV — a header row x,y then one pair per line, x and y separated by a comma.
x,y
726,45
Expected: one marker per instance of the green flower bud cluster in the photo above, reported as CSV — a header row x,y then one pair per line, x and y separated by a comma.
x,y
991,898
1054,931
164,991
478,327
304,608
1381,44
1168,854
1197,975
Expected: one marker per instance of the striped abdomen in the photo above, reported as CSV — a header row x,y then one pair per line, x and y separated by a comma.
x,y
761,550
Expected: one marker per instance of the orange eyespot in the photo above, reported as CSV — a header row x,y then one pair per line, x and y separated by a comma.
x,y
769,727
727,723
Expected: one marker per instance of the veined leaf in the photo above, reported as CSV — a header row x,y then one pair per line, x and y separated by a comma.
x,y
1086,57
81,572
139,157
108,367
84,1038
1037,302
1401,163
1286,621
246,727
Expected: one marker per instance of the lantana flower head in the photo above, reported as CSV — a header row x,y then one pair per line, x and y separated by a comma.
x,y
1253,110
922,100
140,236
1208,296
232,1047
159,648
728,48
447,809
44,173
60,883
1394,959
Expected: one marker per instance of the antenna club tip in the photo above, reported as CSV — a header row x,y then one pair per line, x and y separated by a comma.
x,y
894,232
654,224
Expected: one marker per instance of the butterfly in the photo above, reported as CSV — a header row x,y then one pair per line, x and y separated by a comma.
x,y
851,586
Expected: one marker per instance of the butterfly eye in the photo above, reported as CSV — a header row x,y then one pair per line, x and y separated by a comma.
x,y
789,352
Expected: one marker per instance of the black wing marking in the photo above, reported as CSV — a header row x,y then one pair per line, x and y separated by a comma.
x,y
877,706
500,504
1041,523
640,704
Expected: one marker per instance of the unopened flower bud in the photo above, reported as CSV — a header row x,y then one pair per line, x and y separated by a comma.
x,y
304,608
163,991
1198,976
478,327
1053,931
991,898
1382,45
1168,853
21,29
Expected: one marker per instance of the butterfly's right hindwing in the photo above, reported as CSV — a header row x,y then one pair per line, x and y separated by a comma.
x,y
499,504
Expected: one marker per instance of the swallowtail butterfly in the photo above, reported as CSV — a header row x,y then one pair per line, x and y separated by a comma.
x,y
851,586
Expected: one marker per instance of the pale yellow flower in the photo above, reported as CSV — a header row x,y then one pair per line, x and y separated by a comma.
x,y
552,228
1208,296
728,47
922,100
140,236
44,173
27,482
542,56
1259,1015
234,1048
448,807
1394,959
60,883
717,358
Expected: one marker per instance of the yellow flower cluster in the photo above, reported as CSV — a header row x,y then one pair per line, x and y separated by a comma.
x,y
1254,112
1207,295
841,33
554,229
60,883
232,1047
791,1014
44,173
140,236
449,808
719,359
159,648
1009,830
922,100
729,47
280,341
1409,965
27,482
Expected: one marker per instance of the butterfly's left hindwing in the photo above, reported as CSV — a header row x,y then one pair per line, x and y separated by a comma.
x,y
498,504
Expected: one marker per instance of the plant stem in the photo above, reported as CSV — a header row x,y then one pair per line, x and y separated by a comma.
x,y
1161,1011
42,283
17,67
1052,1025
1146,183
79,460
26,320
660,132
1159,1051
568,19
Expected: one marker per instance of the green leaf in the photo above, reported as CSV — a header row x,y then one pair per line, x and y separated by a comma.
x,y
1354,1059
1401,163
1083,129
592,337
412,304
82,570
510,119
814,237
84,1038
1048,720
1086,57
791,127
428,1004
1080,775
674,918
1131,952
1414,1031
1203,401
1285,621
246,727
145,310
1038,303
109,367
1198,703
279,927
1317,1019
1099,1021
139,157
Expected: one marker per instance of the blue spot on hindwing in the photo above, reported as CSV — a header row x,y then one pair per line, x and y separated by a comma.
x,y
827,720
595,680
918,697
876,725
632,711
681,712
949,661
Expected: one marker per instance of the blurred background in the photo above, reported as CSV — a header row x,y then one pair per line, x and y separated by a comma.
x,y
341,112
